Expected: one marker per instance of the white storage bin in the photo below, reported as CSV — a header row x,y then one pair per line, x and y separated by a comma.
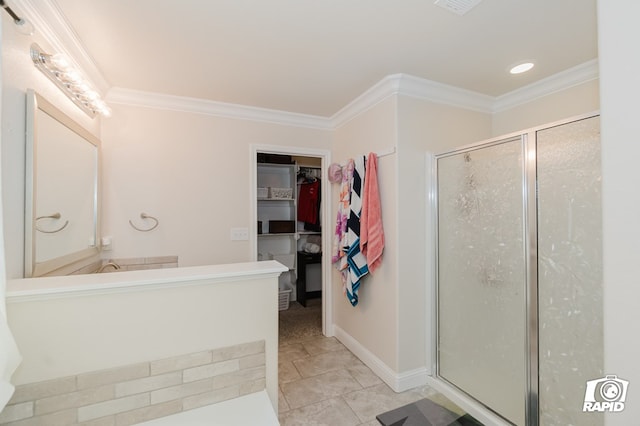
x,y
284,295
281,193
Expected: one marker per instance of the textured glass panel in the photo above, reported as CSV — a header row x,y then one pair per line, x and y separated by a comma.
x,y
570,270
482,276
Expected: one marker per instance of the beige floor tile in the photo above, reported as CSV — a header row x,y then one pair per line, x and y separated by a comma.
x,y
370,402
287,372
283,405
292,352
332,412
322,344
318,388
364,376
329,361
323,383
371,423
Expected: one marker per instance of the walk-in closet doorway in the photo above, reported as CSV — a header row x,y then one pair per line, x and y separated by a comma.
x,y
275,231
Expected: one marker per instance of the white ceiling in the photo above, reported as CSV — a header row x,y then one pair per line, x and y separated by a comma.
x,y
315,56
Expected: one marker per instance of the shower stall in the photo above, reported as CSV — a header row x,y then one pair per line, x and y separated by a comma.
x,y
519,272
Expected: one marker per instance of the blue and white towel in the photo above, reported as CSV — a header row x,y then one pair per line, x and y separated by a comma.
x,y
357,262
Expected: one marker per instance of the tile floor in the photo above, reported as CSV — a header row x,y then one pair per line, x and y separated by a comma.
x,y
322,383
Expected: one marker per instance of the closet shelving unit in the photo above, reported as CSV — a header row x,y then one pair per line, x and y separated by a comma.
x,y
281,246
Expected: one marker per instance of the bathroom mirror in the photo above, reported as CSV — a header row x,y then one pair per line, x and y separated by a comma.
x,y
62,169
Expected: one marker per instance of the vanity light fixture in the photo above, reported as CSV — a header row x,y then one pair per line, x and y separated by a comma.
x,y
59,70
22,25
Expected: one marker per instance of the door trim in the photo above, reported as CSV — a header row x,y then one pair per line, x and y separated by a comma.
x,y
325,157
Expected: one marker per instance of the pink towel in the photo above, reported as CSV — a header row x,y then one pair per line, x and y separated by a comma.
x,y
371,232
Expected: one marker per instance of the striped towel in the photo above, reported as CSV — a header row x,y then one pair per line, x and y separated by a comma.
x,y
356,261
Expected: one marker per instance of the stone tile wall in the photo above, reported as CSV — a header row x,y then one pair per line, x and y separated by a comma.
x,y
140,392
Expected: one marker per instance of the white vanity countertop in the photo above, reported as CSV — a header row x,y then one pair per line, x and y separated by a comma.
x,y
63,286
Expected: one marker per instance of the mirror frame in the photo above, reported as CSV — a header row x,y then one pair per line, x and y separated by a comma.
x,y
37,104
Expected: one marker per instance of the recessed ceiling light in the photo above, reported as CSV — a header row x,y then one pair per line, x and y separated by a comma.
x,y
520,68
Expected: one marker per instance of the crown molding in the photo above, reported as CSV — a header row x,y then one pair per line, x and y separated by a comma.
x,y
391,85
49,21
415,87
119,95
433,91
563,80
377,93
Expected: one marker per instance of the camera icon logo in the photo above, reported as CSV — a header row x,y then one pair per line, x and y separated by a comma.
x,y
605,394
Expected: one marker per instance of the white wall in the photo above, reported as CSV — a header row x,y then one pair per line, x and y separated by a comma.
x,y
189,170
19,74
619,90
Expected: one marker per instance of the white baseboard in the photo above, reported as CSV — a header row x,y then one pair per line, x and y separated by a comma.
x,y
399,382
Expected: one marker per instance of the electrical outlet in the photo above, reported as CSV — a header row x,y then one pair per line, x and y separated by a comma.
x,y
239,234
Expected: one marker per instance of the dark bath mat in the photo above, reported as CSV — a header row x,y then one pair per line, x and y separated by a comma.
x,y
425,413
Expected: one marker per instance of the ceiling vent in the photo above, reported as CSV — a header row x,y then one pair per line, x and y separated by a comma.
x,y
459,7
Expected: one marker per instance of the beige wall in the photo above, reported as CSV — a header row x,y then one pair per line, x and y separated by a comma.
x,y
373,323
18,75
581,99
434,128
192,172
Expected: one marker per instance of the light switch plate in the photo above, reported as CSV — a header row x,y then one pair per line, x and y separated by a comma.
x,y
239,234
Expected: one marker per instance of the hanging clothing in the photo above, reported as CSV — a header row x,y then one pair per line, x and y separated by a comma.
x,y
371,231
340,234
309,202
356,260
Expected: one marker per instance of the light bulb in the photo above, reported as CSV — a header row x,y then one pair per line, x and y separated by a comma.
x,y
71,76
60,61
92,95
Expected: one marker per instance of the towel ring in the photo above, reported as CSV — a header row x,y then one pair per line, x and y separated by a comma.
x,y
145,216
56,215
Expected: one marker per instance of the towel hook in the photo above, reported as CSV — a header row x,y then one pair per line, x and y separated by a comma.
x,y
145,216
56,215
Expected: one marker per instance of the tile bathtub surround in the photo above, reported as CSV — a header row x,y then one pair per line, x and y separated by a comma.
x,y
135,393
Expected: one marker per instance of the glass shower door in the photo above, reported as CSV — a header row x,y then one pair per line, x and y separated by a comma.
x,y
569,269
482,275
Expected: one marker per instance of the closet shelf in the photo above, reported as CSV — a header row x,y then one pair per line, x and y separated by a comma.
x,y
275,199
309,233
287,234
